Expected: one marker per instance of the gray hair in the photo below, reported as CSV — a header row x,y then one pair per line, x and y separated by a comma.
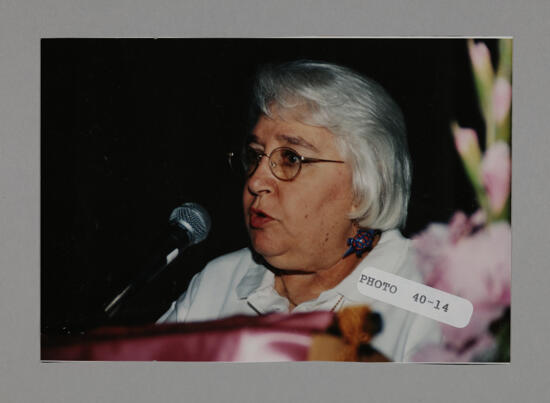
x,y
368,126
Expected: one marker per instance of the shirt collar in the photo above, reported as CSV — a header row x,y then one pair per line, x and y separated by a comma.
x,y
256,277
257,287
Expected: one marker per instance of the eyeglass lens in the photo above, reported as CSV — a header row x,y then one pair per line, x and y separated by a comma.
x,y
283,162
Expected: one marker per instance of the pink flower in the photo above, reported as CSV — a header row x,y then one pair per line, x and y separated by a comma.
x,y
474,266
495,175
433,244
502,99
478,267
480,321
459,227
430,247
441,353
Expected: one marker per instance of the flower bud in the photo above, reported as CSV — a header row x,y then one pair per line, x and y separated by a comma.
x,y
468,148
467,145
483,77
481,60
496,174
502,99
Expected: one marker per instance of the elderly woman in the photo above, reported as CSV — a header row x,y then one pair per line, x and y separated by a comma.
x,y
326,161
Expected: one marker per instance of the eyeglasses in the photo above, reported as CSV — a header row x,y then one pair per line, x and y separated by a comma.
x,y
284,162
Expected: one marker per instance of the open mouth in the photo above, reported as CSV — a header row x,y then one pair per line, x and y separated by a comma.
x,y
258,218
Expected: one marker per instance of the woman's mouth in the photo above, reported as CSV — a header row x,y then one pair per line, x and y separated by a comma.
x,y
258,218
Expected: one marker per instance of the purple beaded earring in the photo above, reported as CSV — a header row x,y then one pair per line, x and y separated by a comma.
x,y
361,242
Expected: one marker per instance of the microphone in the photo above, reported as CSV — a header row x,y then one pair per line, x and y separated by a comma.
x,y
189,225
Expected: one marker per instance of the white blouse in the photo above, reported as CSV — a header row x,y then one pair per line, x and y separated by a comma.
x,y
234,284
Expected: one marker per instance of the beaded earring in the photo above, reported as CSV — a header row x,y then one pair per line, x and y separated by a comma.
x,y
361,242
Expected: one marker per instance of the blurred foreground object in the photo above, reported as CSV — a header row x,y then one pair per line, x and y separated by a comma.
x,y
276,337
349,337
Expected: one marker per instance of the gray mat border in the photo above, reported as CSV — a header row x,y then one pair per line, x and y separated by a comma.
x,y
23,378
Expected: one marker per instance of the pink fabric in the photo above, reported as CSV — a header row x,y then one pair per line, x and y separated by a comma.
x,y
275,337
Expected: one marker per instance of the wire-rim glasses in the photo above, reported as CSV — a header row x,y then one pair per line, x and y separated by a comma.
x,y
284,162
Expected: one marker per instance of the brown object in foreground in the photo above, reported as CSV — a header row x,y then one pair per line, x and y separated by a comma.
x,y
348,338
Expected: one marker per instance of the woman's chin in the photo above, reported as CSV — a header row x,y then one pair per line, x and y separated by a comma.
x,y
271,252
279,253
281,259
267,250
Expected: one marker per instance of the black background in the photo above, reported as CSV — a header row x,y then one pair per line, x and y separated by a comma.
x,y
132,128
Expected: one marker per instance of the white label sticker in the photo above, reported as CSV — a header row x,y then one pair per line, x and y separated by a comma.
x,y
415,297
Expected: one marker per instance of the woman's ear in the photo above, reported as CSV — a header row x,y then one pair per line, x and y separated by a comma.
x,y
355,205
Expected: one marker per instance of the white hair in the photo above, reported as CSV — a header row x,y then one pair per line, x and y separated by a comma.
x,y
367,123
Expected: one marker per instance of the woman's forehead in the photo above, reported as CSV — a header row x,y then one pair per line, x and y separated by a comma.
x,y
292,133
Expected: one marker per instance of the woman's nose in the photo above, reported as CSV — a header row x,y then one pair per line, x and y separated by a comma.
x,y
262,180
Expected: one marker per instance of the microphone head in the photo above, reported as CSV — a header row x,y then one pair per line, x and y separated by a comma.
x,y
194,219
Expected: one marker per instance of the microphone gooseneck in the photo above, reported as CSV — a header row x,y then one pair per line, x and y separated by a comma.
x,y
189,224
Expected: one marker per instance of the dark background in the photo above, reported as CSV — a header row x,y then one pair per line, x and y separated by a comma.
x,y
132,128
